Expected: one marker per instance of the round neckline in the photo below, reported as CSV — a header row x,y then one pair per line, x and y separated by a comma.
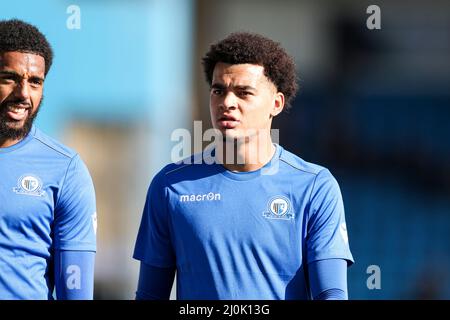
x,y
21,143
249,175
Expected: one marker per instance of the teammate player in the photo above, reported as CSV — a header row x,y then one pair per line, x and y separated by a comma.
x,y
47,200
265,227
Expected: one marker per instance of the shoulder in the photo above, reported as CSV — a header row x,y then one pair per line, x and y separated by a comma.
x,y
53,146
65,160
319,175
190,168
298,164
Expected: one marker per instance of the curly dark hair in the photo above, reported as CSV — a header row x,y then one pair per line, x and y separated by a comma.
x,y
245,47
17,35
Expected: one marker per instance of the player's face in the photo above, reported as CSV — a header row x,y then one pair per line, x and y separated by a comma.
x,y
242,100
21,84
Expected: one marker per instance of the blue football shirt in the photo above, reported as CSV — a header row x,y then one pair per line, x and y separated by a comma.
x,y
246,235
47,202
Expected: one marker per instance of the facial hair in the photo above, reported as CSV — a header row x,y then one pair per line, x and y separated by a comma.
x,y
8,133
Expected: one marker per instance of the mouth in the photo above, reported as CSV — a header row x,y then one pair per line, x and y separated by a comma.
x,y
18,112
228,122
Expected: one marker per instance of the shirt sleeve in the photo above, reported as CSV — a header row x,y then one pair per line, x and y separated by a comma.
x,y
74,275
75,217
326,227
154,244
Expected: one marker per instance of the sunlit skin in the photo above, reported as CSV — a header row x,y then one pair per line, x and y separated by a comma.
x,y
243,102
21,87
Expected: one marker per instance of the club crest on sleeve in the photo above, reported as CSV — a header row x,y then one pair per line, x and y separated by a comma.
x,y
343,231
94,222
279,207
29,184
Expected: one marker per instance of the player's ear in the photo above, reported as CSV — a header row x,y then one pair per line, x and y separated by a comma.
x,y
278,104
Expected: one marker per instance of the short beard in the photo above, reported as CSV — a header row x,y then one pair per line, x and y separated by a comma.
x,y
8,133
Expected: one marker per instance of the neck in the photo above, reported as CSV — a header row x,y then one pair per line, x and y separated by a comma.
x,y
243,155
5,143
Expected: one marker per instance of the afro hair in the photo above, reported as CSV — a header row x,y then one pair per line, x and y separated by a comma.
x,y
16,35
244,47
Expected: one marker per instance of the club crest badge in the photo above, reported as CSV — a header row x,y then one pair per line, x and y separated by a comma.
x,y
279,207
30,185
94,222
343,231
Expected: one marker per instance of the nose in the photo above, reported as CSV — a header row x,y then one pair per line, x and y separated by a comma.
x,y
22,91
229,101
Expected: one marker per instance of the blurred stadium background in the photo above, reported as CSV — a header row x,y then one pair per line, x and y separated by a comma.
x,y
374,107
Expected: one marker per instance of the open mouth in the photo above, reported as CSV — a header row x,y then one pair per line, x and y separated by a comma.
x,y
17,112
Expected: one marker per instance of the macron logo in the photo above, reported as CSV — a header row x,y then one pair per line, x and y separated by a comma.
x,y
200,197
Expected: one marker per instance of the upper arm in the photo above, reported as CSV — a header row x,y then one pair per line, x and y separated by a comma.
x,y
154,242
326,227
74,233
75,217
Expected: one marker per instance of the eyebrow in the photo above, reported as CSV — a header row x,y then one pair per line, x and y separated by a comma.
x,y
222,87
11,73
15,74
217,86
